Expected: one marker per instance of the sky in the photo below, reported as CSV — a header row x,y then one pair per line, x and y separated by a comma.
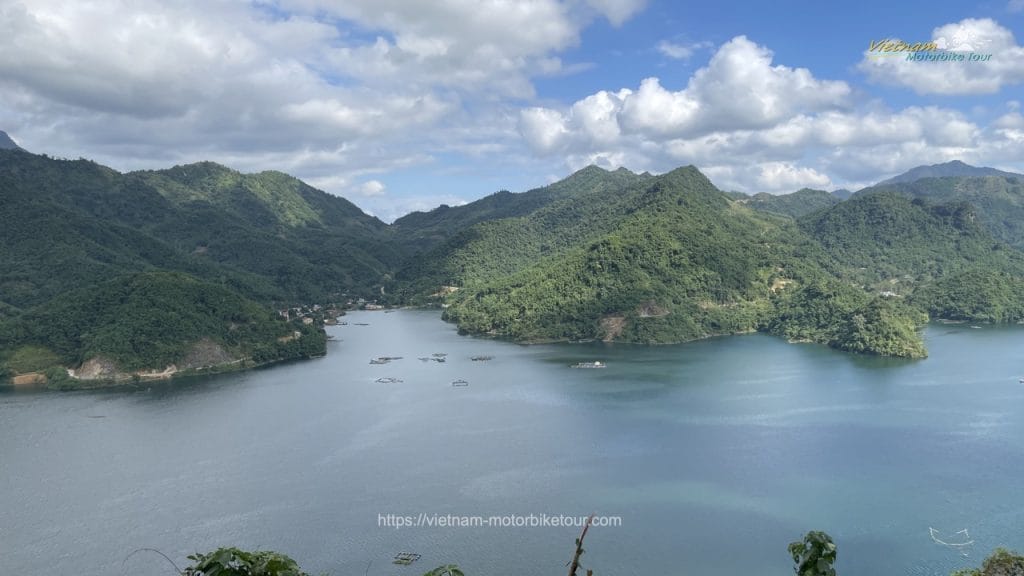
x,y
402,105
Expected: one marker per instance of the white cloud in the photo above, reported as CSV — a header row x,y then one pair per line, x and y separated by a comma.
x,y
738,89
754,125
372,188
617,11
329,91
984,36
771,177
678,51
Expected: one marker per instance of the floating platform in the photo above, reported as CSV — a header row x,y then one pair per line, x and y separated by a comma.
x,y
597,364
405,558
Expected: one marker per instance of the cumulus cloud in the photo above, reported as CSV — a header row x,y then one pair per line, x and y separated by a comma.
x,y
371,188
754,125
768,177
738,89
330,91
984,36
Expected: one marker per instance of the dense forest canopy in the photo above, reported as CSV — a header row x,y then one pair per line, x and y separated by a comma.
x,y
139,267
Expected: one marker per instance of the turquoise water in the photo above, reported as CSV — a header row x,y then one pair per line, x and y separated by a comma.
x,y
714,454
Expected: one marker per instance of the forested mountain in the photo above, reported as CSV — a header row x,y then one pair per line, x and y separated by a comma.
x,y
893,238
581,207
162,322
954,168
422,231
794,205
134,272
999,200
669,259
76,227
268,235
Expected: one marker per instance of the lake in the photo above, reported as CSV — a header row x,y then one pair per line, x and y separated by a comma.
x,y
714,455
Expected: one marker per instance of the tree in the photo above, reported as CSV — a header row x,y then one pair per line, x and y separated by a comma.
x,y
235,562
1002,562
815,555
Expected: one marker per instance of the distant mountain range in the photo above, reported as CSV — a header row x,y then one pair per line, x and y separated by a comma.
x,y
945,170
97,263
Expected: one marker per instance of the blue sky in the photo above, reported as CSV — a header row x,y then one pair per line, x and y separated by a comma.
x,y
401,105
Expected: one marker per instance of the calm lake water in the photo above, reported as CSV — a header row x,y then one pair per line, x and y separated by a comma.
x,y
715,455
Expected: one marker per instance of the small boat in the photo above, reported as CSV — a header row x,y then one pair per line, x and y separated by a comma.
x,y
458,383
595,364
481,358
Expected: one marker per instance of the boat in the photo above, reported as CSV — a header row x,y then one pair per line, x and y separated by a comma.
x,y
595,364
458,383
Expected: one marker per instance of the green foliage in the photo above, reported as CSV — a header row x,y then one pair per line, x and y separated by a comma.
x,y
67,224
975,295
998,199
31,359
538,224
153,319
1001,562
884,326
235,562
800,203
884,235
814,556
669,259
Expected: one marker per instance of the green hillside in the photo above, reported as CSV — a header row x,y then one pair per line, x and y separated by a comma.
x,y
678,260
885,236
267,235
180,251
999,200
139,269
562,215
794,205
148,321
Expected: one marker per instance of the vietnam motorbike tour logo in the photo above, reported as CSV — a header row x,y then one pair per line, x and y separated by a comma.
x,y
961,46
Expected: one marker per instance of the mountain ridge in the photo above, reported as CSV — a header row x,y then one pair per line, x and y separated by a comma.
x,y
611,255
945,169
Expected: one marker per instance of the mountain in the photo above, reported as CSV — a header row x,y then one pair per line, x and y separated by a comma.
x,y
150,325
237,242
421,231
999,200
6,143
794,205
842,193
886,236
665,259
268,235
952,168
150,273
544,222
